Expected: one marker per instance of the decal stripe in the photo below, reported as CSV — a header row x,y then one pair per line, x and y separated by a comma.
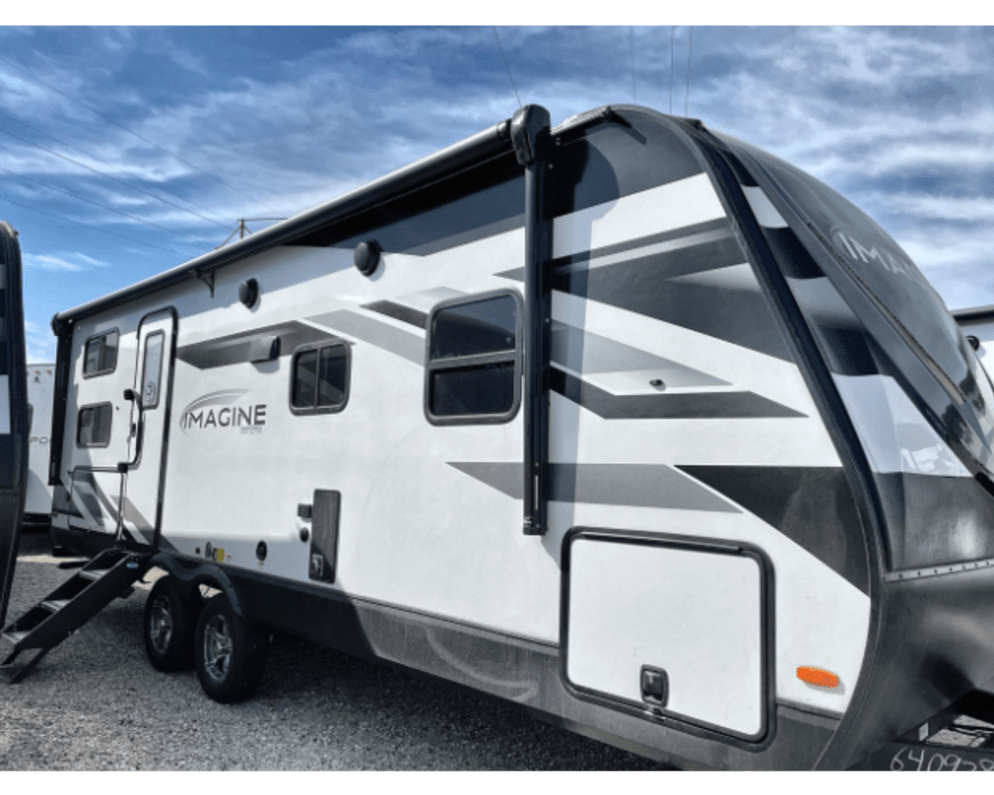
x,y
669,240
642,286
636,485
588,353
766,214
405,314
812,506
400,343
677,252
683,405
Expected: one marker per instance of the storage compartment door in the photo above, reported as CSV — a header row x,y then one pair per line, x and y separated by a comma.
x,y
694,613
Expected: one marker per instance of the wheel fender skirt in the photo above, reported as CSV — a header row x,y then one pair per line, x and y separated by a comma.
x,y
197,574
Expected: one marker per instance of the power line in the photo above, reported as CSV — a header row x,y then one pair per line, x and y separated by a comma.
x,y
126,184
504,58
690,52
672,48
97,204
90,226
101,173
631,32
132,132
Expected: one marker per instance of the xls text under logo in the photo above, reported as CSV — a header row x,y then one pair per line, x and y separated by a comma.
x,y
224,409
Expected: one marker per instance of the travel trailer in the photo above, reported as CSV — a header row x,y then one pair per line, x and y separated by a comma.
x,y
625,422
38,500
13,410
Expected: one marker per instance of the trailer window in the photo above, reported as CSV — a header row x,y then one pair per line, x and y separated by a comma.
x,y
474,372
152,370
93,425
101,354
320,379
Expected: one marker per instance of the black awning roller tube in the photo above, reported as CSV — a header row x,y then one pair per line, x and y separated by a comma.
x,y
530,137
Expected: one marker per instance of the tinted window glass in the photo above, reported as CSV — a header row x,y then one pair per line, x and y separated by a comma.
x,y
152,370
474,328
333,374
93,426
321,379
305,380
101,354
92,361
108,356
474,369
484,389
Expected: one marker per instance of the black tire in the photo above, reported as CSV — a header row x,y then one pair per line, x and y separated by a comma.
x,y
230,653
171,614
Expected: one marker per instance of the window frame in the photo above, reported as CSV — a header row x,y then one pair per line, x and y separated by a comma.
x,y
101,336
463,362
79,425
319,346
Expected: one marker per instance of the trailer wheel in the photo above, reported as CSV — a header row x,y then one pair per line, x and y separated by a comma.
x,y
230,652
170,620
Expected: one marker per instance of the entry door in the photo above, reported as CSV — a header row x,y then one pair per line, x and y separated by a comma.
x,y
147,448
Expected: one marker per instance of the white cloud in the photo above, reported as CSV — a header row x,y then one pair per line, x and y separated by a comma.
x,y
61,261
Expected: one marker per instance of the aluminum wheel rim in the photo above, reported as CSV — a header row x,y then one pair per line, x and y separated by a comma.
x,y
218,648
160,629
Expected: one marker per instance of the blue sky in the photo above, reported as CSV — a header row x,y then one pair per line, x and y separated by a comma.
x,y
169,135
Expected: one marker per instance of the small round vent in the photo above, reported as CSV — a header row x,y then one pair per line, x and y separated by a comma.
x,y
367,257
248,292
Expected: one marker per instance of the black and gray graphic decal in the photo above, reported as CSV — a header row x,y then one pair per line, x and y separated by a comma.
x,y
381,335
676,405
812,506
639,485
100,511
696,277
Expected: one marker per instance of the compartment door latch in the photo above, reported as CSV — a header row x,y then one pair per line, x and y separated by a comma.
x,y
655,687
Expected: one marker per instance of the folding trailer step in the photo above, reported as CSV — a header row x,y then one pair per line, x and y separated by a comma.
x,y
109,575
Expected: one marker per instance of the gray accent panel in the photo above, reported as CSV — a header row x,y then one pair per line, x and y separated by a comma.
x,y
399,343
583,352
678,405
404,314
132,514
729,277
637,485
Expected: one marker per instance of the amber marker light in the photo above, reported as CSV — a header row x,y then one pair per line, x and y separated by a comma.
x,y
818,677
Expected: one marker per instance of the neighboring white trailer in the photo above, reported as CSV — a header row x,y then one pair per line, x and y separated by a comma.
x,y
978,322
625,422
41,383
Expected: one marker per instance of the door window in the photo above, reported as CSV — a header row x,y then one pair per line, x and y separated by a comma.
x,y
152,369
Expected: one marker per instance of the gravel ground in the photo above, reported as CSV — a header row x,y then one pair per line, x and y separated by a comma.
x,y
95,703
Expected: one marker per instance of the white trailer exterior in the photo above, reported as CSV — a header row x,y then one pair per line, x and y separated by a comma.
x,y
327,422
41,384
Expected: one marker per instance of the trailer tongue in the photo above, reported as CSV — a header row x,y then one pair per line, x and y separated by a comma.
x,y
13,410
